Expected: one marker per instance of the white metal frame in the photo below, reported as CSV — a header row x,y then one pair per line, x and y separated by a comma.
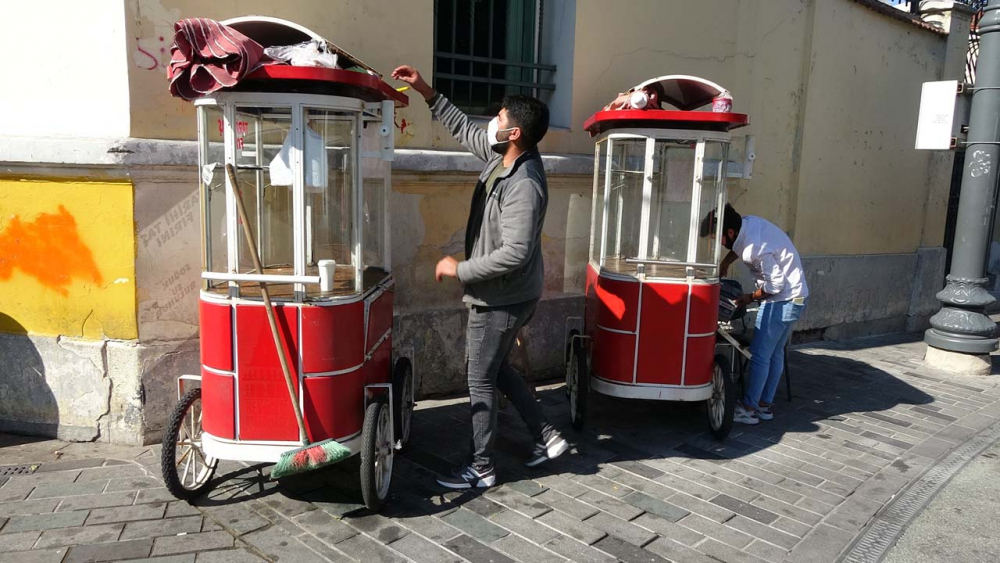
x,y
298,104
652,135
635,389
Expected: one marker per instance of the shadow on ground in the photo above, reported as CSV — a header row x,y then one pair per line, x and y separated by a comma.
x,y
623,433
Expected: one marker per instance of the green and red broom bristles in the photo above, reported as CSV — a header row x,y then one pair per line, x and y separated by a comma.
x,y
310,457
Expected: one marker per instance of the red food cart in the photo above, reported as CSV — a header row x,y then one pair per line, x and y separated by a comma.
x,y
311,148
652,290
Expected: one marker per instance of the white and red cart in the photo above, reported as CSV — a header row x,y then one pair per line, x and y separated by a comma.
x,y
312,149
652,292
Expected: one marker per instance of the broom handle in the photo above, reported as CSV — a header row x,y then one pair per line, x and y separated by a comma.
x,y
271,319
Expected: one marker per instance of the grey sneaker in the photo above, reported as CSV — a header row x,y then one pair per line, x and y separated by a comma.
x,y
552,448
470,476
744,415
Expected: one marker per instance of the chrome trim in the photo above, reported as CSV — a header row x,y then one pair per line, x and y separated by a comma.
x,y
651,392
262,451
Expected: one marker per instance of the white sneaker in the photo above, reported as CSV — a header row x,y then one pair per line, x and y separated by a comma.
x,y
744,415
764,412
554,447
468,477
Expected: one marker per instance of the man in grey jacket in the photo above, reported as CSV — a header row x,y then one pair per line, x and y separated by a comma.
x,y
502,275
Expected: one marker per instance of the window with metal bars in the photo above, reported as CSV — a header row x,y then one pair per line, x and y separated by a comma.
x,y
486,49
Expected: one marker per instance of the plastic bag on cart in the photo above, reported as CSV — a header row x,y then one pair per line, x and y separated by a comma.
x,y
647,97
308,53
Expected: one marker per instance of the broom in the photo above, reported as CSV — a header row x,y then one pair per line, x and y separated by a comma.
x,y
309,456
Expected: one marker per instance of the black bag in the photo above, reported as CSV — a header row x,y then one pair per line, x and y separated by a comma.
x,y
729,291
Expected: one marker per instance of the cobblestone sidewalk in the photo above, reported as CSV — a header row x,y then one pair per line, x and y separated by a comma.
x,y
643,483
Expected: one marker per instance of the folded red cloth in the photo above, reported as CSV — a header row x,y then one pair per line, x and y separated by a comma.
x,y
207,56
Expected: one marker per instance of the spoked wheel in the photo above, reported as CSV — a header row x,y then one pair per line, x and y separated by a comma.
x,y
402,393
722,403
578,378
186,468
376,454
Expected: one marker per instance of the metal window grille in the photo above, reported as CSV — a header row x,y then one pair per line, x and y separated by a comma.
x,y
486,49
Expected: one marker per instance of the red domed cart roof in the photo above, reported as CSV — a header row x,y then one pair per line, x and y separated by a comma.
x,y
269,32
686,93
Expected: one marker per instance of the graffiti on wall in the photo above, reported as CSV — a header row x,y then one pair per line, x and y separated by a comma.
x,y
48,249
154,34
169,253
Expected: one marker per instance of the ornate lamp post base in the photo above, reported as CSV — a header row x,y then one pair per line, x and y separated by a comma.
x,y
962,336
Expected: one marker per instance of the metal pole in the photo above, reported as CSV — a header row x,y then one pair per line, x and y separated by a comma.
x,y
962,325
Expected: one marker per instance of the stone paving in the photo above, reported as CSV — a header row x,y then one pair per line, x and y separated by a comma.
x,y
643,483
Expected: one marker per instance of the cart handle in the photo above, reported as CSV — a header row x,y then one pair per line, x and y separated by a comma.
x,y
668,263
266,278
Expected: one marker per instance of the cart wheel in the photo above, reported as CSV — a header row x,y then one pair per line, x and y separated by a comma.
x,y
578,377
568,356
376,454
402,392
186,468
722,404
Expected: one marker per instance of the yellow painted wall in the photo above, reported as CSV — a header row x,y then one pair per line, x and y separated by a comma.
x,y
67,258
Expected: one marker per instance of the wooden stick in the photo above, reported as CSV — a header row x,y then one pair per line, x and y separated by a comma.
x,y
271,318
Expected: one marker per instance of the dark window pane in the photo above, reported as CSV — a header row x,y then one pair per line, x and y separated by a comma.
x,y
499,29
480,93
481,45
444,24
460,93
463,27
495,29
443,85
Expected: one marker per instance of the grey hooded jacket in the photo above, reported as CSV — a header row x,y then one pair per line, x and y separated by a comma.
x,y
503,237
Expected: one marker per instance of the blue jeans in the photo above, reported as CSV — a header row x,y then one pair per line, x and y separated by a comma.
x,y
767,361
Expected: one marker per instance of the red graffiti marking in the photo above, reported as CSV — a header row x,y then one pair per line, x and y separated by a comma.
x,y
402,126
153,61
48,249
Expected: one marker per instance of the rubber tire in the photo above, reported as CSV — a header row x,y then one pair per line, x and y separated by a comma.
x,y
369,450
567,355
169,450
400,372
583,381
728,396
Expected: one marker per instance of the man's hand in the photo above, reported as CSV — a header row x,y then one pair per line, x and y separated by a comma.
x,y
411,76
743,300
446,267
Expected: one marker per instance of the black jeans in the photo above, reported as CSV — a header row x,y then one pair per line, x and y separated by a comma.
x,y
488,340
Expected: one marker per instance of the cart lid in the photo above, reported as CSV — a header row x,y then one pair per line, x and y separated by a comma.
x,y
664,119
685,92
270,32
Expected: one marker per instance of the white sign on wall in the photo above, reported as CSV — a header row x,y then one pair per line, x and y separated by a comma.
x,y
935,125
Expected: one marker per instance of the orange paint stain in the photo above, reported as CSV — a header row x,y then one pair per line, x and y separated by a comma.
x,y
48,249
